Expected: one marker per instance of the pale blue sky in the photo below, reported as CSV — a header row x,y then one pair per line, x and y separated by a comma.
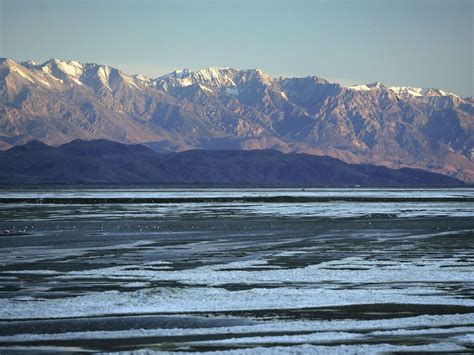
x,y
426,43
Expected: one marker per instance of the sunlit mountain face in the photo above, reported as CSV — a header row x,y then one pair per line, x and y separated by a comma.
x,y
224,108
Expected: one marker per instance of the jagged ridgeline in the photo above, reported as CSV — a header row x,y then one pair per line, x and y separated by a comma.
x,y
223,108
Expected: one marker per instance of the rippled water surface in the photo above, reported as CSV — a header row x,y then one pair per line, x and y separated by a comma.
x,y
268,276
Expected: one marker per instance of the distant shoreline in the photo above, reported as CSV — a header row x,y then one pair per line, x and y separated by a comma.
x,y
167,186
240,199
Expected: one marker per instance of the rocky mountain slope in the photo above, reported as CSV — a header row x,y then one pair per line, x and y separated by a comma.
x,y
103,161
223,108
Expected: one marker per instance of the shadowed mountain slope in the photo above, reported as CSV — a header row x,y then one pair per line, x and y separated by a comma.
x,y
104,161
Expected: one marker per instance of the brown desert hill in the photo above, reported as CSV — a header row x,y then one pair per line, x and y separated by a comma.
x,y
102,161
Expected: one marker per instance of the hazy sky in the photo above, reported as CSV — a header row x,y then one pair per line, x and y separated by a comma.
x,y
426,43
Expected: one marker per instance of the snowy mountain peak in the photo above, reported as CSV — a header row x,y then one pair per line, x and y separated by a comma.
x,y
261,73
103,72
263,76
214,73
418,92
210,72
20,71
258,75
212,77
215,76
71,68
29,63
8,62
222,79
403,91
68,67
56,71
367,87
60,71
72,73
178,74
141,79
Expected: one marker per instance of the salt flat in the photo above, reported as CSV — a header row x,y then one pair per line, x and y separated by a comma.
x,y
255,277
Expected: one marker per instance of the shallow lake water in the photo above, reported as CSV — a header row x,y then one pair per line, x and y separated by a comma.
x,y
236,270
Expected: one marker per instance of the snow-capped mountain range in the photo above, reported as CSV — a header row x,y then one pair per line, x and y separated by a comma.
x,y
217,108
212,78
403,90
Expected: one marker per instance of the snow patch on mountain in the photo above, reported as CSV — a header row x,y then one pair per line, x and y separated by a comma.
x,y
205,88
216,76
367,87
418,92
266,78
103,73
71,68
21,73
185,82
404,91
255,74
234,91
179,73
128,80
212,77
77,82
28,75
29,63
141,79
